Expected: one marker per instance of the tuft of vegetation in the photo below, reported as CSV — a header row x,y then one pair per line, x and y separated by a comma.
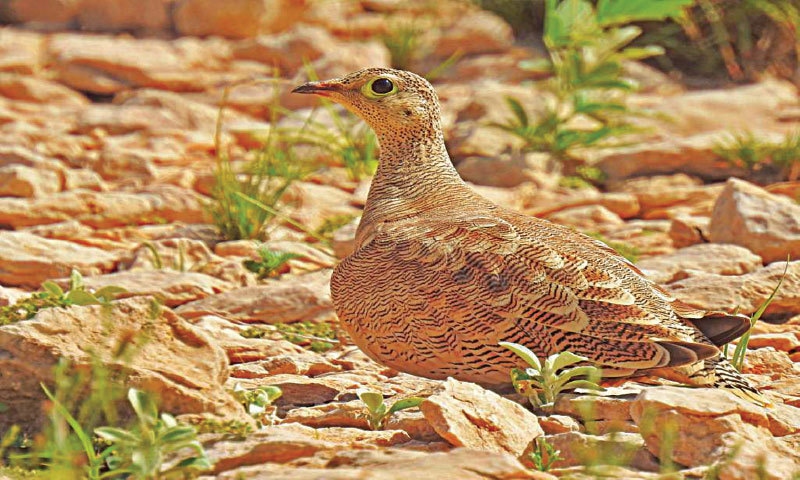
x,y
587,48
315,336
544,455
141,451
235,428
378,412
543,382
245,200
741,347
258,402
746,151
270,262
628,251
53,296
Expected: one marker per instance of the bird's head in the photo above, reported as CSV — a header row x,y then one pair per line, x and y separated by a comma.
x,y
391,101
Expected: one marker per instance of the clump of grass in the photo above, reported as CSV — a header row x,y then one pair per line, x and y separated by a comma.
x,y
258,402
245,200
235,428
628,251
315,336
543,382
752,154
740,351
53,296
378,412
587,47
269,262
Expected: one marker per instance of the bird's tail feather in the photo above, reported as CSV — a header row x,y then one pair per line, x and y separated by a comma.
x,y
728,378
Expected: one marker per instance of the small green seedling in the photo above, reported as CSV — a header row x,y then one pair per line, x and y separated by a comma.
x,y
378,412
542,383
258,402
270,262
544,455
53,296
140,452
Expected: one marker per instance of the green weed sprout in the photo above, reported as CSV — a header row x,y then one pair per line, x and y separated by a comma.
x,y
378,412
258,401
542,383
269,263
53,296
544,455
746,151
140,452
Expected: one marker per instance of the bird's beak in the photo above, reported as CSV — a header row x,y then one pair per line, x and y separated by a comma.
x,y
317,88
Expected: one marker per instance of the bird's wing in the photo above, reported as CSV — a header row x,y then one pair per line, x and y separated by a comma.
x,y
549,287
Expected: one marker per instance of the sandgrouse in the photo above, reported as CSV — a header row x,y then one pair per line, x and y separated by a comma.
x,y
440,275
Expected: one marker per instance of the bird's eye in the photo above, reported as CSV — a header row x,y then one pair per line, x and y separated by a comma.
x,y
382,86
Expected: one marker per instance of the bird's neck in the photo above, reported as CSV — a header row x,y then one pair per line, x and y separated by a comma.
x,y
414,175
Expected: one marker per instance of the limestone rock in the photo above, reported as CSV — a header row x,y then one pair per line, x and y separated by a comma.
x,y
713,426
477,31
466,415
720,259
765,223
171,287
397,464
38,90
20,50
23,181
747,292
190,382
292,299
140,15
577,448
235,18
45,11
588,218
686,230
28,260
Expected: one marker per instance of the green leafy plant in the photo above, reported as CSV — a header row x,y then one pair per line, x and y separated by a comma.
x,y
741,347
53,296
235,428
746,151
141,451
378,412
270,262
544,455
258,401
587,48
543,382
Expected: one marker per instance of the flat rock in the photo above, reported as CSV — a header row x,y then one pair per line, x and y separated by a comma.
x,y
105,209
38,90
467,415
713,426
28,260
171,287
766,223
190,382
746,292
691,155
395,464
292,299
24,181
720,259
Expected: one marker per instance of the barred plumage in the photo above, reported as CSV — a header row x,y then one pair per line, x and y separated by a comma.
x,y
440,275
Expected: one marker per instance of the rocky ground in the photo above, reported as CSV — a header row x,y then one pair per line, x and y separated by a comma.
x,y
108,153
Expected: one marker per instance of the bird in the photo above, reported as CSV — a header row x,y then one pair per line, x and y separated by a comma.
x,y
440,276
